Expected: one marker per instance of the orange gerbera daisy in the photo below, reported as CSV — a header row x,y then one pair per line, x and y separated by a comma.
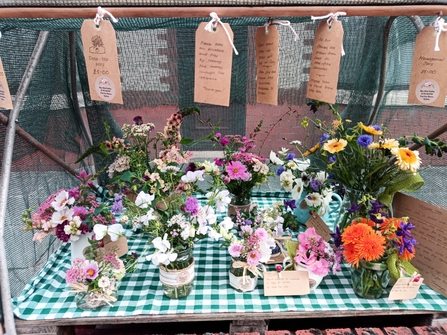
x,y
370,247
354,232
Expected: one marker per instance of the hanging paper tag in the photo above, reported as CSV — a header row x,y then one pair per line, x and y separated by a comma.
x,y
428,82
5,96
405,289
213,61
101,59
321,228
325,63
267,46
286,283
120,246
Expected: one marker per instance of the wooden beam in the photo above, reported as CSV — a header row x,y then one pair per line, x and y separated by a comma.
x,y
230,11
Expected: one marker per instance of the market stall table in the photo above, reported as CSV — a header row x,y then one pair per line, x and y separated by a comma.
x,y
141,298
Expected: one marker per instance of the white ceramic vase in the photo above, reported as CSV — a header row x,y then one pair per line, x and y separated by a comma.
x,y
77,247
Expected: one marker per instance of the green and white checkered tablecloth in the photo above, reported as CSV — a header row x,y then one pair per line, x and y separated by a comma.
x,y
47,296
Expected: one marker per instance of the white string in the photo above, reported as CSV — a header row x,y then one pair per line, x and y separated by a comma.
x,y
331,18
439,27
100,16
282,23
210,26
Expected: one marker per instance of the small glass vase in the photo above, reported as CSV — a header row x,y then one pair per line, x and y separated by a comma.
x,y
242,204
240,282
369,280
177,279
89,301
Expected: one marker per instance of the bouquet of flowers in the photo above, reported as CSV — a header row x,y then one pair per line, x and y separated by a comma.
x,y
311,189
364,160
67,214
312,252
143,160
378,239
95,279
241,169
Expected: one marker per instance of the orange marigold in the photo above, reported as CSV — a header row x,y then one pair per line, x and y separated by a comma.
x,y
354,232
370,247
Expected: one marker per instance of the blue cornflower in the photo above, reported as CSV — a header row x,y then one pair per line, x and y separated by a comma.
x,y
323,138
364,140
377,127
290,204
280,170
290,156
332,159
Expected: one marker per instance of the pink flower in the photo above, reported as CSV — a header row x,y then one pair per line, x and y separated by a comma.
x,y
91,269
224,141
320,267
236,170
253,257
235,249
39,236
218,135
262,234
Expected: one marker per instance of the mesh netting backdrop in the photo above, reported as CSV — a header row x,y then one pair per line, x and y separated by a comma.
x,y
156,57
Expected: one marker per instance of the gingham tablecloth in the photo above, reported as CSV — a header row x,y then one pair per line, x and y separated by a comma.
x,y
47,296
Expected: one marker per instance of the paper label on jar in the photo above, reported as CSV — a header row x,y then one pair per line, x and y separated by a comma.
x,y
177,277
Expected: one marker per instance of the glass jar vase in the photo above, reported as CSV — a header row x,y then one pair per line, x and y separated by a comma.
x,y
240,282
89,301
177,278
369,280
241,204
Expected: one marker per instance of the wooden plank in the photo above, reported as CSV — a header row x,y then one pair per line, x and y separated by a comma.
x,y
230,11
33,330
218,317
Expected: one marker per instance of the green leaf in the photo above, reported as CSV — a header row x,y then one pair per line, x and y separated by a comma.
x,y
127,176
186,141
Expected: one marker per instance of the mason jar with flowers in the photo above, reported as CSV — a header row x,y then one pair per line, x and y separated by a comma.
x,y
241,170
378,247
365,161
71,215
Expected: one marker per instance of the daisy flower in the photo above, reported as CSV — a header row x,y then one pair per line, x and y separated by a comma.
x,y
407,159
335,145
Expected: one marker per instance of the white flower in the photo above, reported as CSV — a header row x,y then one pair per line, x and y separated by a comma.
x,y
115,231
227,223
144,219
185,234
192,177
321,176
104,282
124,219
61,216
265,251
62,200
279,230
206,215
222,199
210,167
286,180
214,234
100,231
160,257
297,189
143,199
302,164
72,228
283,151
296,142
274,159
314,199
171,168
161,244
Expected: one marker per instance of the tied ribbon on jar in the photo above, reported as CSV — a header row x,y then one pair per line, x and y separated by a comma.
x,y
257,272
79,288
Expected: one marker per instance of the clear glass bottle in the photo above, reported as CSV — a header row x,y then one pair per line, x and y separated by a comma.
x,y
177,278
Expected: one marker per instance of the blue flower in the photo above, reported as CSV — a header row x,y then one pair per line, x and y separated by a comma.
x,y
365,140
332,159
290,204
280,170
323,138
337,237
354,208
290,156
315,184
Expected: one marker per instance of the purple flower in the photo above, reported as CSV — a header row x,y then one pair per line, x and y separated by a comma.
x,y
193,167
290,204
219,162
377,127
192,206
290,156
117,206
364,140
315,184
138,120
224,141
332,159
354,208
323,138
280,170
337,237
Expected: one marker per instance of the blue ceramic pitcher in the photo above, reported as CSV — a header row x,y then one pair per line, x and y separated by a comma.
x,y
302,213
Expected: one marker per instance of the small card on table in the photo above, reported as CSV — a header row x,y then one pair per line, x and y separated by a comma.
x,y
286,283
321,228
405,289
5,96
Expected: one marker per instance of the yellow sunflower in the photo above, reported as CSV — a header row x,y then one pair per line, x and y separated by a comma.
x,y
335,145
407,159
373,130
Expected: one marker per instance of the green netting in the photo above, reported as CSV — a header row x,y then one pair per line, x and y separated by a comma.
x,y
156,57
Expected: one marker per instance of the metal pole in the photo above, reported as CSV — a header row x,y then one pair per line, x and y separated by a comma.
x,y
4,178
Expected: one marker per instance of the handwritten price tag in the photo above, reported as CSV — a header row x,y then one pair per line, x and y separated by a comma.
x,y
5,96
320,226
428,82
289,283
